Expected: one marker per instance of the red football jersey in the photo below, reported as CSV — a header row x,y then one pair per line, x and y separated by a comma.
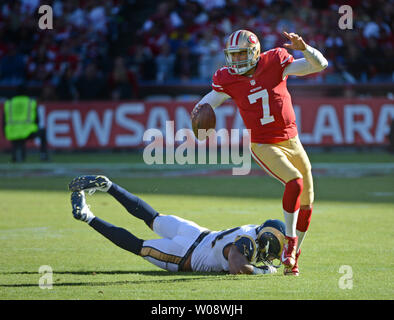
x,y
262,99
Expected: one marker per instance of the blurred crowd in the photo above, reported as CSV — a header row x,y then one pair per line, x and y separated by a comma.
x,y
105,49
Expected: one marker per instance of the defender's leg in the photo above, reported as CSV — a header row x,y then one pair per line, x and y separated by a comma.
x,y
168,254
179,235
119,236
134,205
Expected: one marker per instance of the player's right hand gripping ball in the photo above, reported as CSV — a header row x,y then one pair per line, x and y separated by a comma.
x,y
203,117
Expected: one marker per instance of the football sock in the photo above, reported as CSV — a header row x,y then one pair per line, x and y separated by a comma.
x,y
90,218
304,219
291,205
119,236
291,223
303,222
301,236
134,205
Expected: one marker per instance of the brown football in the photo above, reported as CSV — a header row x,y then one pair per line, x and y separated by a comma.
x,y
203,117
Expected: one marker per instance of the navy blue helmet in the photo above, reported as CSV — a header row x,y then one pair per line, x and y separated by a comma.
x,y
270,240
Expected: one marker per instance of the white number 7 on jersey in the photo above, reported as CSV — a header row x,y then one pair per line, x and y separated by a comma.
x,y
263,94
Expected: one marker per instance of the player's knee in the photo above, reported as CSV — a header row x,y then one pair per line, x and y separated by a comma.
x,y
295,186
292,195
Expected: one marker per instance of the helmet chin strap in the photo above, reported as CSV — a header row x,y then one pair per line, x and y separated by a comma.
x,y
242,72
248,68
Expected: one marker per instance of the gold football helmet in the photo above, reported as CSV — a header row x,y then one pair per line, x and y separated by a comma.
x,y
242,41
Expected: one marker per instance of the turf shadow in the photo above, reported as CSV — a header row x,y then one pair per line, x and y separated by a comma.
x,y
186,277
147,273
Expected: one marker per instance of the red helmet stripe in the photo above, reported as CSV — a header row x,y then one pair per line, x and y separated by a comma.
x,y
236,40
231,38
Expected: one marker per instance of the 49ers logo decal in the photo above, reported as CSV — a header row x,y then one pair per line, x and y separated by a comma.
x,y
252,39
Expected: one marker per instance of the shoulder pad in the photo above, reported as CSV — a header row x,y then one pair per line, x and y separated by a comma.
x,y
219,79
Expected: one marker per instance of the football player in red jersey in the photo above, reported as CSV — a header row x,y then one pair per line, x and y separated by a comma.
x,y
257,83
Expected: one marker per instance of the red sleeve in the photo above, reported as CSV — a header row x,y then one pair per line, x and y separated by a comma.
x,y
283,57
279,58
217,81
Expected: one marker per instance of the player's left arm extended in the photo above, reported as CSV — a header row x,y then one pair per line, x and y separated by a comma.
x,y
313,61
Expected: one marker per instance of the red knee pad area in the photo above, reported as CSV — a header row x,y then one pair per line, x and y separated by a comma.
x,y
291,196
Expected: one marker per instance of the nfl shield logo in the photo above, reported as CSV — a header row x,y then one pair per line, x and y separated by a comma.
x,y
252,82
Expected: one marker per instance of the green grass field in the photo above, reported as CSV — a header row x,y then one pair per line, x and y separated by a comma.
x,y
351,225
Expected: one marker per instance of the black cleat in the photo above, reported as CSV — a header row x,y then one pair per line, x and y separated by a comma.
x,y
81,210
90,184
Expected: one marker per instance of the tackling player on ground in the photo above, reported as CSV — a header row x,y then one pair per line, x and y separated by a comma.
x,y
257,83
184,246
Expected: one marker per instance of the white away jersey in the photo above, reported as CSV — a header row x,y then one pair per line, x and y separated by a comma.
x,y
208,255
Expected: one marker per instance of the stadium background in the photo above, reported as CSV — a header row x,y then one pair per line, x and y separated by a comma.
x,y
109,70
126,51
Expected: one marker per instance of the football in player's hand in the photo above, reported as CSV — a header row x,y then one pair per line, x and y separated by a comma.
x,y
203,117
